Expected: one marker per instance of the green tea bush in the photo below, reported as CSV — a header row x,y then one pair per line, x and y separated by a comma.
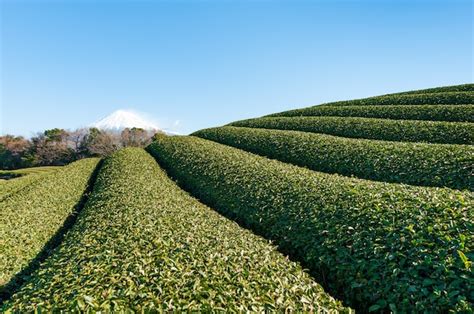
x,y
31,217
143,244
29,171
377,246
370,128
448,98
9,187
27,177
8,175
444,89
454,113
411,163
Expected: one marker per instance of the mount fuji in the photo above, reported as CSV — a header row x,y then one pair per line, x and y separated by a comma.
x,y
122,119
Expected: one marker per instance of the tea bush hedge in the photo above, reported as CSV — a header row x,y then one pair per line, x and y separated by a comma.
x,y
143,244
447,98
454,113
377,246
33,216
371,128
8,187
443,89
28,171
411,163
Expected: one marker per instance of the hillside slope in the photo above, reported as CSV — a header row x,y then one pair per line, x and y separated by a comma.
x,y
371,244
391,138
144,244
363,204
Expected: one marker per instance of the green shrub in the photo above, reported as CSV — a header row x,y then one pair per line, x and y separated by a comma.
x,y
29,171
454,113
143,244
26,177
8,175
448,98
444,89
31,217
8,187
378,246
370,128
411,163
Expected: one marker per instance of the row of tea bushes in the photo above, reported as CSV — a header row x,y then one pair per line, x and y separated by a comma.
x,y
377,246
12,186
371,128
32,218
454,113
443,89
143,244
23,172
411,163
447,98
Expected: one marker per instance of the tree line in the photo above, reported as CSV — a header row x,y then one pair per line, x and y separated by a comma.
x,y
56,147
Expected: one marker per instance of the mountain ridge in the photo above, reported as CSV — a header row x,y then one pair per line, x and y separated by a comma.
x,y
122,119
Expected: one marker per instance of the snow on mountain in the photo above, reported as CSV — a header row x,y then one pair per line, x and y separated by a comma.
x,y
122,119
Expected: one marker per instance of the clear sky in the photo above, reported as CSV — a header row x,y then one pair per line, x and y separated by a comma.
x,y
205,63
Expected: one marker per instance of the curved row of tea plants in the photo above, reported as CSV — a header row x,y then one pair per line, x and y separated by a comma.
x,y
11,186
371,128
411,163
142,243
27,171
453,113
443,89
31,218
447,98
377,246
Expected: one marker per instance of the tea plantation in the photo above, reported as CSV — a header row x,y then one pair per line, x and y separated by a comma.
x,y
363,205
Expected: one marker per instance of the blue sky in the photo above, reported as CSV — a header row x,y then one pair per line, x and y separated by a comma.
x,y
205,63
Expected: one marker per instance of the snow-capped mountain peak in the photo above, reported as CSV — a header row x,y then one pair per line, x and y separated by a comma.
x,y
122,119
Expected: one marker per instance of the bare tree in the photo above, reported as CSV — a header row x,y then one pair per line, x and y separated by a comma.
x,y
50,148
75,141
75,138
136,137
14,152
59,147
101,143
